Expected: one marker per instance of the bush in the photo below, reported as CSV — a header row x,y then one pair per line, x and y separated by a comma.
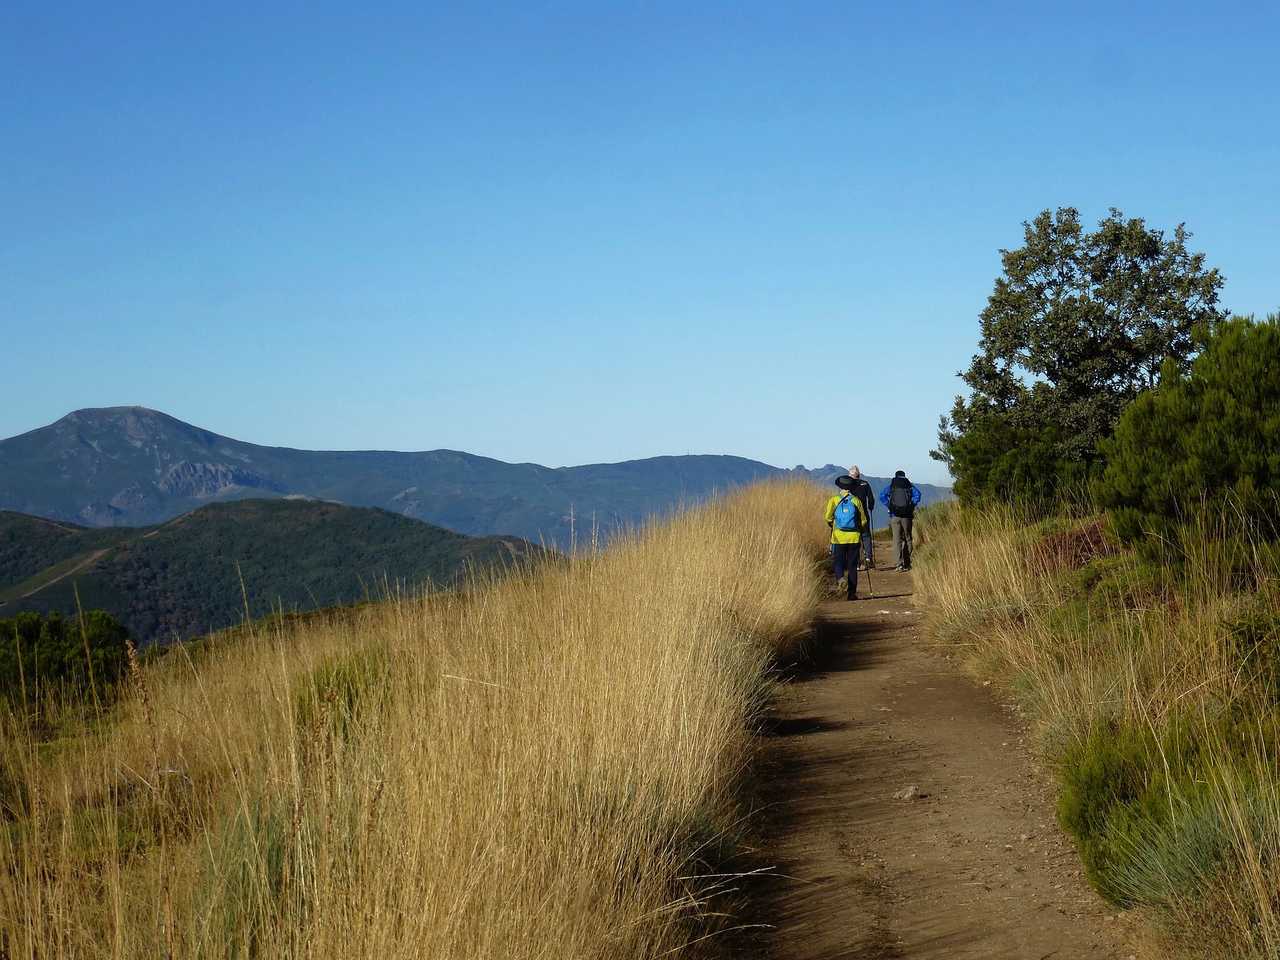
x,y
1120,789
40,655
1207,442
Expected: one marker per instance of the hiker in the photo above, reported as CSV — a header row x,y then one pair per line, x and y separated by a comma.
x,y
862,490
846,517
900,497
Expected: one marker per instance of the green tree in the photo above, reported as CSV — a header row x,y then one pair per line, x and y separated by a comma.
x,y
1204,439
1078,324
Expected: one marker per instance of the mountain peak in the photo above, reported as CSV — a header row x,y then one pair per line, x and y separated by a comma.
x,y
117,414
132,423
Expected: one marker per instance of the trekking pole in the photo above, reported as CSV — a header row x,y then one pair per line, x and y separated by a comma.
x,y
870,565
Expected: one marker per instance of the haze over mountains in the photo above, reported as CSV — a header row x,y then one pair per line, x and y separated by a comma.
x,y
131,466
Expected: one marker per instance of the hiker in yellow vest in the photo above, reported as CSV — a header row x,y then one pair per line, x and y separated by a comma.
x,y
847,517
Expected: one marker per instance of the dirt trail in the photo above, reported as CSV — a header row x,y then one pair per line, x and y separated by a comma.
x,y
88,561
973,867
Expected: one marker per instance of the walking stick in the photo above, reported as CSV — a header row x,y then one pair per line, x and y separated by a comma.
x,y
870,566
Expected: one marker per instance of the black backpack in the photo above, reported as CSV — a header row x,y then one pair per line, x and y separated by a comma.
x,y
900,504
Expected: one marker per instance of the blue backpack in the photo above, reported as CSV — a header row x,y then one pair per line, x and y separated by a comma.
x,y
846,517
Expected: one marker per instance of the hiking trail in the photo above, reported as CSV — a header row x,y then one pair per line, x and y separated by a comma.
x,y
971,864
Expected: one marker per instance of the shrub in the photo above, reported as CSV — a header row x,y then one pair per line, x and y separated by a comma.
x,y
1121,789
1203,442
50,653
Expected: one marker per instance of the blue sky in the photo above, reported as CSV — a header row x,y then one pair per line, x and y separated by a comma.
x,y
582,232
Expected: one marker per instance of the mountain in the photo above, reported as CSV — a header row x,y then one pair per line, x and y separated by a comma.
x,y
184,577
133,466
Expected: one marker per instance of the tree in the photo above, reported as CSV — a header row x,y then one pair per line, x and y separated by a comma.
x,y
1076,327
1207,438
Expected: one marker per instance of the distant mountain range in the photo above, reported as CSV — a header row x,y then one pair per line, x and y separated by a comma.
x,y
133,466
198,573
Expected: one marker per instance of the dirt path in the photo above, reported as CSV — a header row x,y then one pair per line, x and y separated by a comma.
x,y
974,866
86,562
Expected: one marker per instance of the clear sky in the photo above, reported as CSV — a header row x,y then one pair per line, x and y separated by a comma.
x,y
581,232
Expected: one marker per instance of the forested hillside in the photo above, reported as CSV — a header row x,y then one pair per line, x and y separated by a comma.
x,y
213,567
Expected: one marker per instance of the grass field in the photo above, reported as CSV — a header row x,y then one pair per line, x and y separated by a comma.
x,y
1153,688
547,766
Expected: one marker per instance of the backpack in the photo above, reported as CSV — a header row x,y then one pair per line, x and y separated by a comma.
x,y
900,500
846,517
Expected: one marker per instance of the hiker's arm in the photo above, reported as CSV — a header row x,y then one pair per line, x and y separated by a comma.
x,y
884,497
831,512
915,495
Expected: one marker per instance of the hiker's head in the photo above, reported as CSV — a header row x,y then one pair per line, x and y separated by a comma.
x,y
899,473
855,472
844,482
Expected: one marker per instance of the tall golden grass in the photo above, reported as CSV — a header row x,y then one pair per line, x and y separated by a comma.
x,y
547,765
1153,688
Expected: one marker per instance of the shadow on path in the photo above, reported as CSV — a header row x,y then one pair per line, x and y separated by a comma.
x,y
969,865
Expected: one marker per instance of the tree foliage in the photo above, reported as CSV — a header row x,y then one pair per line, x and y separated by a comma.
x,y
1078,324
1204,439
43,654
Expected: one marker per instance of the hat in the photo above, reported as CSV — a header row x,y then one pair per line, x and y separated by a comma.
x,y
899,473
844,482
855,472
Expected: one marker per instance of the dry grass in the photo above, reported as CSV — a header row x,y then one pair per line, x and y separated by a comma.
x,y
545,767
1153,689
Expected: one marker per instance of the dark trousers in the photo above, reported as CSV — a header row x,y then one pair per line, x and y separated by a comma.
x,y
845,558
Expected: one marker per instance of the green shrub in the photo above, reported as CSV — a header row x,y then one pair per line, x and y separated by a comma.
x,y
1204,442
1120,788
1147,823
44,654
1170,858
1102,777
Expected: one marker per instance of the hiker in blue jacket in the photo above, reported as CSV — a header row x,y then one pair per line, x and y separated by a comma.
x,y
901,497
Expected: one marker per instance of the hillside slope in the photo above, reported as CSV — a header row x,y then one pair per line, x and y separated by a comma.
x,y
185,577
133,466
30,545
